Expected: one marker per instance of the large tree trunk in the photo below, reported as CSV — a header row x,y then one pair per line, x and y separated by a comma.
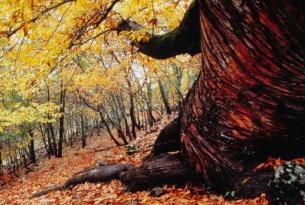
x,y
249,99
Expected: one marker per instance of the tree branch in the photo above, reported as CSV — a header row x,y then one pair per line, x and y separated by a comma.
x,y
12,32
184,39
98,17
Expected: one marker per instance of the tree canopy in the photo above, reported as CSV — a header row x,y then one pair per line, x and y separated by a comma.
x,y
74,47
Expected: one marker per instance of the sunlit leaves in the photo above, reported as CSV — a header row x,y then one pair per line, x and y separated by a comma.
x,y
19,114
36,54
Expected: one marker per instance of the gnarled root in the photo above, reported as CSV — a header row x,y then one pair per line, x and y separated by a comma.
x,y
165,168
162,169
99,174
168,139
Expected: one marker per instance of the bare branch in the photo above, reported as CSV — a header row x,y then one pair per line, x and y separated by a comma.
x,y
92,23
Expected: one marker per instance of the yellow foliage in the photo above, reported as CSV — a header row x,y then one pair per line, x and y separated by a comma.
x,y
36,53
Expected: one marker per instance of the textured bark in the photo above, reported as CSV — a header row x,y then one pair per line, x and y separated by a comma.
x,y
164,168
191,78
168,139
249,100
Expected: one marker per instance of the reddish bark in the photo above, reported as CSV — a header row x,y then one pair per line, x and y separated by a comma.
x,y
249,100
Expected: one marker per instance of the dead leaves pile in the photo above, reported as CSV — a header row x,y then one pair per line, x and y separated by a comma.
x,y
56,171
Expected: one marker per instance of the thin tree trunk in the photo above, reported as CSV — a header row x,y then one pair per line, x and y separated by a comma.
x,y
117,127
32,148
115,113
109,130
70,132
123,112
138,117
1,166
84,142
61,122
191,78
53,138
51,133
98,127
178,74
133,120
151,118
45,141
164,96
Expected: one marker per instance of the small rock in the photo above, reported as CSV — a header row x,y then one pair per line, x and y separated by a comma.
x,y
131,149
288,185
157,192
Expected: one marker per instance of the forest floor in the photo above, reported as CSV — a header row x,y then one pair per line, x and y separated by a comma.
x,y
56,171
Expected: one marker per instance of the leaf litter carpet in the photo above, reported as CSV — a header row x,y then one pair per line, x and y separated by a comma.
x,y
101,149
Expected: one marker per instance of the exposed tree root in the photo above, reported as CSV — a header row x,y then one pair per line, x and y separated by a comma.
x,y
168,139
166,168
48,190
162,169
98,174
